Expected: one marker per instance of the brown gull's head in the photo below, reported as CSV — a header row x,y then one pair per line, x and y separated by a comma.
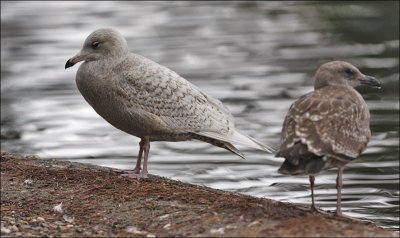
x,y
342,73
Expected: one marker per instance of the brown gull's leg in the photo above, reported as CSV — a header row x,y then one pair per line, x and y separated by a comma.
x,y
339,184
146,148
312,179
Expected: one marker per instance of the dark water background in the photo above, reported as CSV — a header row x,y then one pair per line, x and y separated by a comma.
x,y
257,57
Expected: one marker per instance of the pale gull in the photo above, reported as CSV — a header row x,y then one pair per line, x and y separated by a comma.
x,y
150,101
328,127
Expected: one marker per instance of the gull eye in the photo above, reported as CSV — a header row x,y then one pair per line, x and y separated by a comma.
x,y
349,72
95,45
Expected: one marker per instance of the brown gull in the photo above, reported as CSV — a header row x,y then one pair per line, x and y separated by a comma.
x,y
150,101
328,127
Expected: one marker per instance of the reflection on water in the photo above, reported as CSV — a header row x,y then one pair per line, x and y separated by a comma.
x,y
257,57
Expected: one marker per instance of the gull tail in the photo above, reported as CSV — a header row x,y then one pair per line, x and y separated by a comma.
x,y
237,138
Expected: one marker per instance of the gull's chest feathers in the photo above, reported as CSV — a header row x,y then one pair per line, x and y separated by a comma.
x,y
95,85
98,84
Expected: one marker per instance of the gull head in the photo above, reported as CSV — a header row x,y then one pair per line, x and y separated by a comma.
x,y
342,73
102,44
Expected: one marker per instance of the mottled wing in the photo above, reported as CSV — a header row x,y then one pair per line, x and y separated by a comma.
x,y
330,121
172,101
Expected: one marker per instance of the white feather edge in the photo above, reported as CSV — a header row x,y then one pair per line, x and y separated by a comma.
x,y
238,138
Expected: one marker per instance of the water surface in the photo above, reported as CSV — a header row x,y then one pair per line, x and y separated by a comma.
x,y
256,57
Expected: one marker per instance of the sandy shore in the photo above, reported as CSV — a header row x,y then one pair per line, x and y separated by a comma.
x,y
98,201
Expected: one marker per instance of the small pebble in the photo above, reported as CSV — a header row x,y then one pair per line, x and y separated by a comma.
x,y
163,216
40,219
19,234
26,227
219,231
14,228
28,181
58,208
68,218
167,226
254,223
134,230
5,230
150,235
59,223
231,227
87,234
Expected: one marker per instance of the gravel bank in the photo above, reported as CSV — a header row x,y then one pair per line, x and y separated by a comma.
x,y
50,198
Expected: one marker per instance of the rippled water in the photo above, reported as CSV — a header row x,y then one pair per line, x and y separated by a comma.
x,y
256,57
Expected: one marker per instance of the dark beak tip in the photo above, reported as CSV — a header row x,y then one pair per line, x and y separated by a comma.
x,y
68,64
372,82
379,86
378,83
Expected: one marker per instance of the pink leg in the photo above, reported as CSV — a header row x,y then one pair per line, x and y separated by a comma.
x,y
136,171
312,179
339,184
137,168
146,148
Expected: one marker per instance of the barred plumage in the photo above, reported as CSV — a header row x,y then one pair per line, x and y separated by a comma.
x,y
148,100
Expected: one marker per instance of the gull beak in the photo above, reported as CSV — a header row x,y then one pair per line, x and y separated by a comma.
x,y
71,62
370,81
